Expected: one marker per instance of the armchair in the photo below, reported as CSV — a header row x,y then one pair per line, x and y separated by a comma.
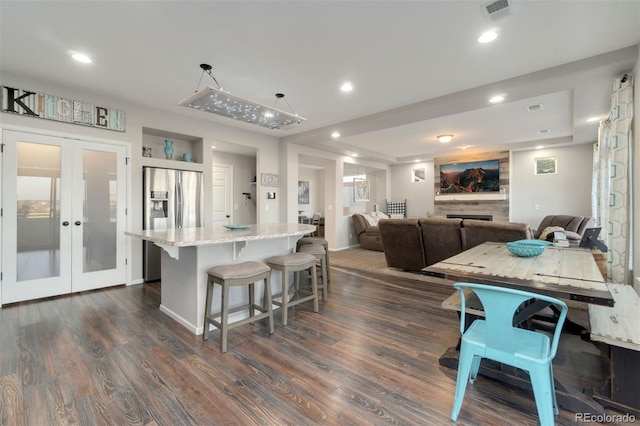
x,y
574,226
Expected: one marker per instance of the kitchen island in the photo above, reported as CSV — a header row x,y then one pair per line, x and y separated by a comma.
x,y
188,253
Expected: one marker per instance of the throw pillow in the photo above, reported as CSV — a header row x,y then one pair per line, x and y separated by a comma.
x,y
550,230
371,220
380,215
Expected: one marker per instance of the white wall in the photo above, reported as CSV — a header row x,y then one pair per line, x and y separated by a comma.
x,y
568,191
244,171
419,195
636,176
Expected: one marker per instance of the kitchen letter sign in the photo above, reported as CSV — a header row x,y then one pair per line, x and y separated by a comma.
x,y
49,107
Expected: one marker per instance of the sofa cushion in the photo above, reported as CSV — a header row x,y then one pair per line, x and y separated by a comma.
x,y
402,243
569,223
476,232
441,238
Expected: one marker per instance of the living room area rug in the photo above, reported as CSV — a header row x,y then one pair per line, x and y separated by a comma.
x,y
374,262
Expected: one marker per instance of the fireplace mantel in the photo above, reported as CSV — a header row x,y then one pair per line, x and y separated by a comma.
x,y
475,196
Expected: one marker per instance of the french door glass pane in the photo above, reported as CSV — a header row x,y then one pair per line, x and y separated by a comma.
x,y
100,207
38,211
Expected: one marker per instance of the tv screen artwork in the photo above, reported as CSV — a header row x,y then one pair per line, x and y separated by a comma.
x,y
478,176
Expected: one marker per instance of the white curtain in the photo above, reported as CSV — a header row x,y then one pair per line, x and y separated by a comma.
x,y
611,197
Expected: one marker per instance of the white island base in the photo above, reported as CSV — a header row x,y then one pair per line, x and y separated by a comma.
x,y
189,253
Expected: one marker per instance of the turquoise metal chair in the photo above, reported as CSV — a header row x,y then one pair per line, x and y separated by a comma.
x,y
496,338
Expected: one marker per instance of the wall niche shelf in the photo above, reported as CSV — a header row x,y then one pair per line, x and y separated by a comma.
x,y
172,164
471,197
182,144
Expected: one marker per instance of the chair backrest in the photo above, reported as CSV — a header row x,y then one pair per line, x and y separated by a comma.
x,y
315,219
500,305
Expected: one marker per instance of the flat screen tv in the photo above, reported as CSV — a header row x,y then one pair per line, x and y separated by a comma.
x,y
477,176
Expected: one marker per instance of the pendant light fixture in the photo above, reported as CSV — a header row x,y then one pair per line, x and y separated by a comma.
x,y
217,101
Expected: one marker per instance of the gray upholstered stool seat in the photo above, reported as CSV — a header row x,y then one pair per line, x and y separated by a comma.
x,y
317,240
294,262
319,252
247,273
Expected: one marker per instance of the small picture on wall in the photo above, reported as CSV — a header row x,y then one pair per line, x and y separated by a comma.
x,y
270,179
360,189
418,174
303,192
546,166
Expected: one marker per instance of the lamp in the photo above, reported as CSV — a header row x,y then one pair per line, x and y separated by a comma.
x,y
445,138
216,101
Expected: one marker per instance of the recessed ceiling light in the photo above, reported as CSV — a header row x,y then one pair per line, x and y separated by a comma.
x,y
80,57
488,36
346,87
539,146
354,155
497,98
592,119
335,135
445,138
464,146
213,147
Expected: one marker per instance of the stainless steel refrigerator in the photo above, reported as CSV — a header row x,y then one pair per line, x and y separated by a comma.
x,y
172,199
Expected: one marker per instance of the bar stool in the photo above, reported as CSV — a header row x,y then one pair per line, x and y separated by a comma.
x,y
316,240
294,262
319,253
247,273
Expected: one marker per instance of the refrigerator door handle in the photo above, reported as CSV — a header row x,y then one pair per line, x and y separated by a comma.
x,y
178,207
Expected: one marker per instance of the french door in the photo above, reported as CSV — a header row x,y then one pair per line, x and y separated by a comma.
x,y
63,216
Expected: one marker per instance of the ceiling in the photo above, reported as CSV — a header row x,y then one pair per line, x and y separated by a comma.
x,y
416,67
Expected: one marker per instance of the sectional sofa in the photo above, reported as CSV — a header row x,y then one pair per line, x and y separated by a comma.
x,y
413,244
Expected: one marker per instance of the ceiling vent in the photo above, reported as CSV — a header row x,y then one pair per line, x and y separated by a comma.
x,y
536,107
496,10
543,131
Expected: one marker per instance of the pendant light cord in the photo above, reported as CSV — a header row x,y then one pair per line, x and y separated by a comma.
x,y
206,68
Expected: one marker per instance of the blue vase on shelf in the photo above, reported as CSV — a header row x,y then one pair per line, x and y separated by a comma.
x,y
168,149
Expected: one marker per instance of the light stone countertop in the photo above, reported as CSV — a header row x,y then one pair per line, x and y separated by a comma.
x,y
187,237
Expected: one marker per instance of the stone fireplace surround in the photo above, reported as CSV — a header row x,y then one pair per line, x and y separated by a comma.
x,y
498,210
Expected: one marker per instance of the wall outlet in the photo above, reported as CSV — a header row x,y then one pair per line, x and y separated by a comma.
x,y
266,207
536,206
235,207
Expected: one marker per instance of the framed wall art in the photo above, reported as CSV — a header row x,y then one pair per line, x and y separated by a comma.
x,y
360,189
418,174
303,192
546,166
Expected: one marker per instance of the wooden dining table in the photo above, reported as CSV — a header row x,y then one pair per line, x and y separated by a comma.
x,y
561,272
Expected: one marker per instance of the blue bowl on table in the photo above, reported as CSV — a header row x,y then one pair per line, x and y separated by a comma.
x,y
527,248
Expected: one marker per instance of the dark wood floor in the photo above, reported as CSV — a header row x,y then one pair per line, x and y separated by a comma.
x,y
370,356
